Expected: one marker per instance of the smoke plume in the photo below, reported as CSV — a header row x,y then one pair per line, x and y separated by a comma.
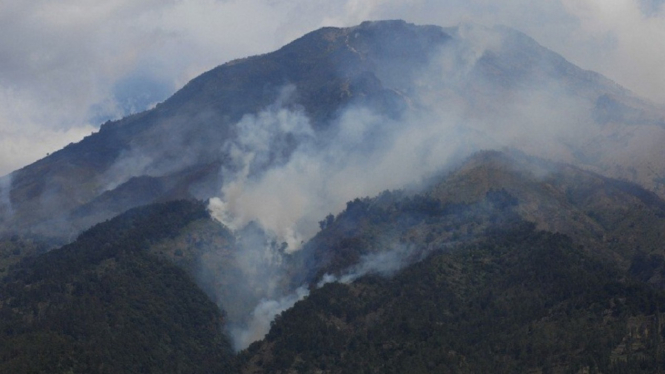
x,y
259,321
385,263
284,176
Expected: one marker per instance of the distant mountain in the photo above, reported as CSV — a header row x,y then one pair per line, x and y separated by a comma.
x,y
499,87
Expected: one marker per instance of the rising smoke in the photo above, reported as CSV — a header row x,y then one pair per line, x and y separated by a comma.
x,y
258,323
282,173
262,142
385,263
285,177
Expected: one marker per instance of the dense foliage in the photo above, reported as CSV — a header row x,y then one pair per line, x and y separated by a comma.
x,y
105,305
504,266
14,248
523,301
395,220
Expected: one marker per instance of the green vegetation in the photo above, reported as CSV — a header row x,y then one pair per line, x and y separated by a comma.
x,y
14,248
526,301
103,304
417,223
503,272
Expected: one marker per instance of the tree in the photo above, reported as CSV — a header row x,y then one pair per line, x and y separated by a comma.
x,y
327,221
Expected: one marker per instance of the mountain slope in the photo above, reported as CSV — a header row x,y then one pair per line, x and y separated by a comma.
x,y
613,220
190,128
535,249
505,263
496,87
457,278
104,304
522,301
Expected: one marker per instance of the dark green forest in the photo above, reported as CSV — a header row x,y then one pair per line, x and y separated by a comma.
x,y
104,305
525,301
480,288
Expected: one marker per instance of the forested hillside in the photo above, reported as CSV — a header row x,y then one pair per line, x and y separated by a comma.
x,y
459,276
103,304
519,301
184,239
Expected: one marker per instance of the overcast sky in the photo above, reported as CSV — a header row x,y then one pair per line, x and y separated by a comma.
x,y
68,65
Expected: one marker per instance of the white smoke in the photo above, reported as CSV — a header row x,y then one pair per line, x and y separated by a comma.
x,y
365,154
259,322
622,42
288,188
262,141
285,178
385,263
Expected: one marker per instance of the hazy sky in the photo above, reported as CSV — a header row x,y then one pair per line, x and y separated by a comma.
x,y
69,65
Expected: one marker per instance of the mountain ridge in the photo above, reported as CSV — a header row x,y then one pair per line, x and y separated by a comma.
x,y
558,301
502,240
561,295
375,65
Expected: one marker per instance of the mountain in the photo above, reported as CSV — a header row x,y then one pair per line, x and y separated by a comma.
x,y
493,87
104,304
525,301
611,219
504,263
508,263
380,198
